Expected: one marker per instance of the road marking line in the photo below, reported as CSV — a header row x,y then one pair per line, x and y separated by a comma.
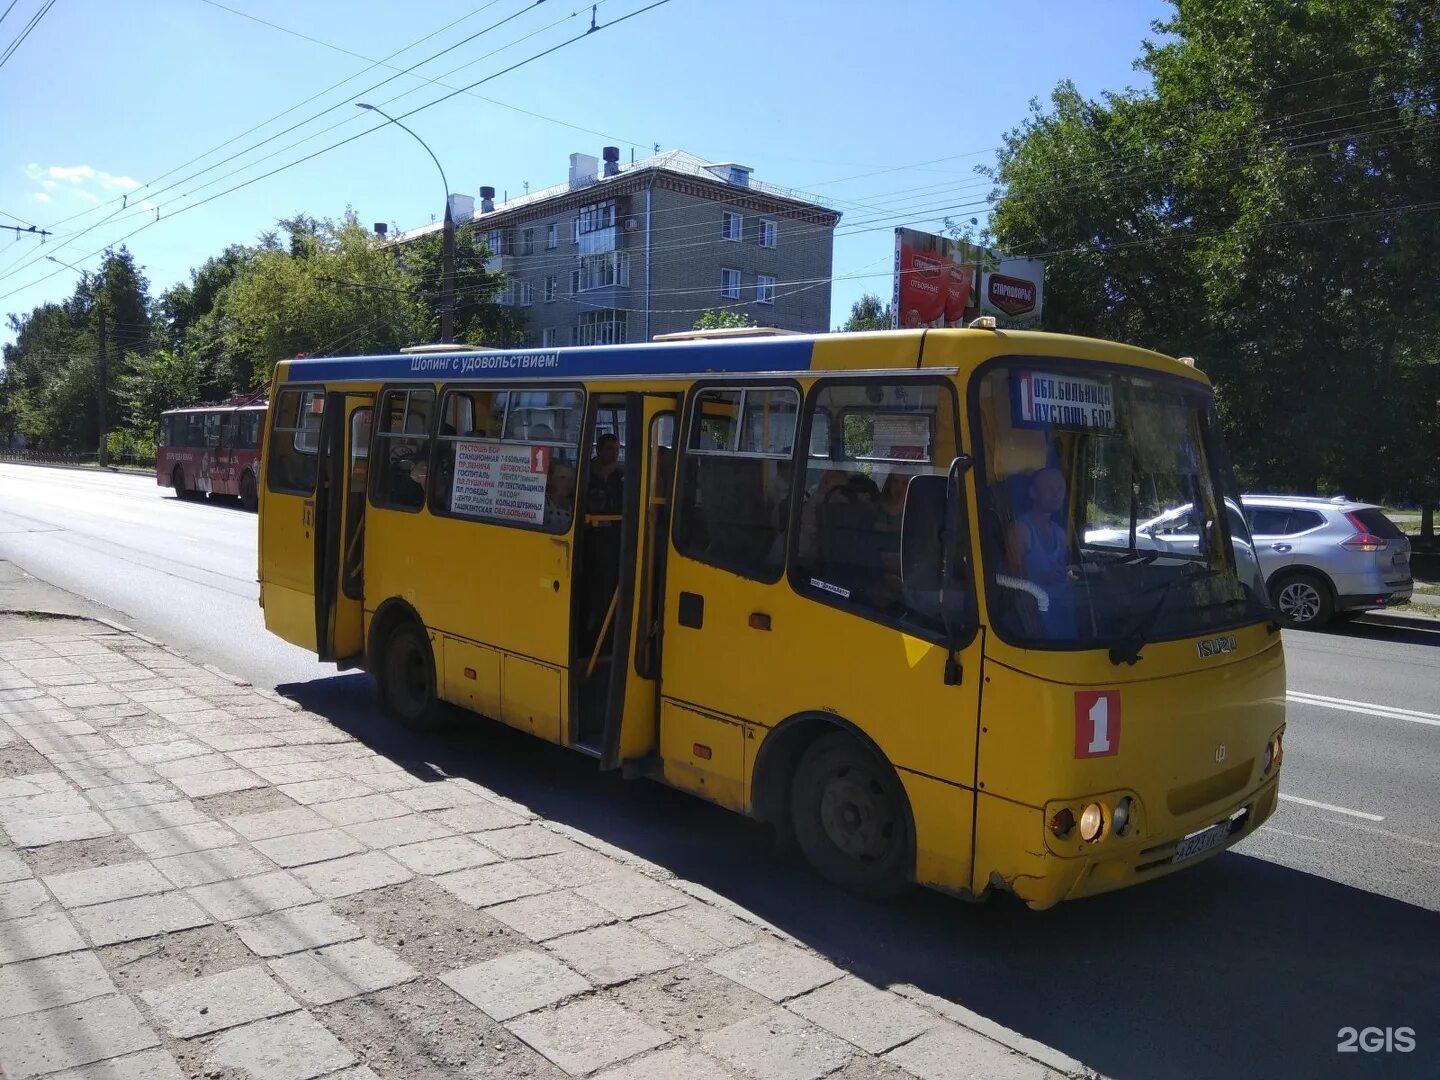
x,y
1390,712
1327,806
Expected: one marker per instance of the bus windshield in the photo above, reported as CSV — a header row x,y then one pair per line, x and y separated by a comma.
x,y
1110,515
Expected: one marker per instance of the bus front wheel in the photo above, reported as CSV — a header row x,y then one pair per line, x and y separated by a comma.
x,y
177,481
406,679
249,496
849,815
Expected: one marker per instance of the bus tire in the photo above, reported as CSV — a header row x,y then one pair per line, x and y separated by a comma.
x,y
405,678
249,495
177,481
850,817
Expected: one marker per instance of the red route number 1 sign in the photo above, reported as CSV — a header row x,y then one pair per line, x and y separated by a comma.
x,y
540,459
1097,723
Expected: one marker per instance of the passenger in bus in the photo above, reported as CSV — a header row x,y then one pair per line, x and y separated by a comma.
x,y
560,496
1037,548
605,492
410,484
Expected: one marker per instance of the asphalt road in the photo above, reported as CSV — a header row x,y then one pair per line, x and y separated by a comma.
x,y
1248,966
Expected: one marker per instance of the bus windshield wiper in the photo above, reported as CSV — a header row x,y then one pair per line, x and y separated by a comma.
x,y
1127,651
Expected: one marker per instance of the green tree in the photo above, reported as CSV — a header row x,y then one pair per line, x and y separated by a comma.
x,y
868,313
1264,208
724,319
480,319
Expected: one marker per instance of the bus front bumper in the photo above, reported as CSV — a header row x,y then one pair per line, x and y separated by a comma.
x,y
1147,858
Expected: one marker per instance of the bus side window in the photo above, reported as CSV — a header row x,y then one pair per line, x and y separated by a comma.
x,y
401,467
291,466
735,481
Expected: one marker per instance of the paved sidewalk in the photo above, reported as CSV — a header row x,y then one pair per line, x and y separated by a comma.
x,y
198,878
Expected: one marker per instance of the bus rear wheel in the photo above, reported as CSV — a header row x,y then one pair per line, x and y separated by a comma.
x,y
849,815
405,678
249,496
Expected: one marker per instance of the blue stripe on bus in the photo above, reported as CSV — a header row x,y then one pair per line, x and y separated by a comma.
x,y
743,356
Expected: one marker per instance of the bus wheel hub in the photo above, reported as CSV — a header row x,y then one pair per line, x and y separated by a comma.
x,y
852,811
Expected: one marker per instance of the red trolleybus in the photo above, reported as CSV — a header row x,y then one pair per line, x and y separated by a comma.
x,y
214,449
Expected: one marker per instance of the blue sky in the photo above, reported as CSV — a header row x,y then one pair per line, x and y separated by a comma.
x,y
886,109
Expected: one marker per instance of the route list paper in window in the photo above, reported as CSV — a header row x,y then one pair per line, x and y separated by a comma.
x,y
505,481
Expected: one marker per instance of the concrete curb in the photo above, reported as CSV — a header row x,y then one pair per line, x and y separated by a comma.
x,y
1397,620
40,613
112,469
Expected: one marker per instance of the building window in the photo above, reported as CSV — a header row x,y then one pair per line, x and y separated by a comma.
x,y
527,297
575,229
527,243
551,286
732,226
595,217
601,271
574,282
601,328
730,284
551,235
764,288
769,233
550,337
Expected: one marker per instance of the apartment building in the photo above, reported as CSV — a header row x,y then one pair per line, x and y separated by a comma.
x,y
621,253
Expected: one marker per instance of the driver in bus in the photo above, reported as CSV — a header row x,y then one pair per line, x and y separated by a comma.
x,y
1038,549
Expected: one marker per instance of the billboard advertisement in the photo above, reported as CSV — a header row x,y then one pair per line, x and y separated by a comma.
x,y
940,281
934,279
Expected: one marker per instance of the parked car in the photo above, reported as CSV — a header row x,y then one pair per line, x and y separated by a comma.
x,y
1321,558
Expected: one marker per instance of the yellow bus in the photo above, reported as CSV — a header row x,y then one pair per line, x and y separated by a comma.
x,y
968,608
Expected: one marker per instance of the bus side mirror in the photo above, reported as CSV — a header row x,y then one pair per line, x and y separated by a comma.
x,y
922,540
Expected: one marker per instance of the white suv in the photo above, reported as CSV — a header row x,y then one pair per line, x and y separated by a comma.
x,y
1323,557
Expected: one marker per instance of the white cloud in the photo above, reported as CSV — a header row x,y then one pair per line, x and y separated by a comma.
x,y
85,182
49,185
40,196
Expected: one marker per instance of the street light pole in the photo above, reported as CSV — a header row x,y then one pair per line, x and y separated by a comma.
x,y
102,455
447,288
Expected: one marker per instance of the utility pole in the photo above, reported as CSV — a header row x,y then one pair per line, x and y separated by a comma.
x,y
447,264
103,455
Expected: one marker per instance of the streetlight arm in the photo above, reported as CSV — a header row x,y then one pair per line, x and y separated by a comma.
x,y
422,142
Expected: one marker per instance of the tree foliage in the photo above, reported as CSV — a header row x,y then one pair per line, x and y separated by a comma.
x,y
868,313
723,319
480,319
1271,206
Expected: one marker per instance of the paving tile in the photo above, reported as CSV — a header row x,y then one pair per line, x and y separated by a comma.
x,y
171,752
365,808
335,972
572,869
146,1065
216,864
298,849
873,1019
778,1045
478,816
587,1034
283,932
198,785
607,955
527,842
21,898
697,930
272,823
668,1064
516,983
158,816
51,981
293,773
774,969
122,796
551,914
37,832
483,886
72,1035
142,917
38,935
435,796
189,766
392,832
226,743
444,855
354,873
219,1001
328,790
951,1052
629,895
180,839
12,867
101,884
294,1047
244,897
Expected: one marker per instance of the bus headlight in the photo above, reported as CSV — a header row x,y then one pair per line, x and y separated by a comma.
x,y
1268,759
1092,822
1120,820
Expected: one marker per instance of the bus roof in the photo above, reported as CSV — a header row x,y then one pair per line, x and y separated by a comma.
x,y
738,356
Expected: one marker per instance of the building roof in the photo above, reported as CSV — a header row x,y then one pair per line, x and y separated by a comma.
x,y
677,162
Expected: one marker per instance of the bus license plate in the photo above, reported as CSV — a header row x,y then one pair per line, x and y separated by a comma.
x,y
1202,842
